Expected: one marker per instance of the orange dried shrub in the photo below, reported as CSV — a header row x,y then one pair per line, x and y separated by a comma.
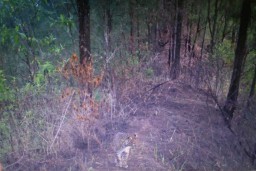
x,y
82,117
97,80
83,107
66,93
83,75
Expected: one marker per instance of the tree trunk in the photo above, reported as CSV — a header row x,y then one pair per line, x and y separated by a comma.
x,y
188,30
252,91
233,36
138,33
175,70
149,31
188,38
108,28
214,30
83,7
224,27
197,34
84,30
132,25
173,41
189,43
230,104
212,26
202,44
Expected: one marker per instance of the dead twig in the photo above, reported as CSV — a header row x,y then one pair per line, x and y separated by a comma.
x,y
14,162
62,119
156,86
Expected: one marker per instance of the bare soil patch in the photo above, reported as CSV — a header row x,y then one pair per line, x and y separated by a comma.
x,y
178,129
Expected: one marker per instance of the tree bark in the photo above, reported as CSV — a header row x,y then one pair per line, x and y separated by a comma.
x,y
83,8
175,70
188,37
212,26
132,25
108,28
230,104
197,34
188,30
189,42
252,91
202,44
224,27
138,33
84,30
233,36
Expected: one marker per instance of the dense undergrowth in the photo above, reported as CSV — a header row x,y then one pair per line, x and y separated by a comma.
x,y
56,119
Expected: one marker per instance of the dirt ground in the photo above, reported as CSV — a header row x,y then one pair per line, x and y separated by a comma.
x,y
178,128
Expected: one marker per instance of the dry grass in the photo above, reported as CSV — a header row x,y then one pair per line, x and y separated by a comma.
x,y
177,125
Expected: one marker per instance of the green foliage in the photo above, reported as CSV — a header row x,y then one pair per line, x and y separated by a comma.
x,y
46,70
4,134
34,29
56,49
149,72
134,61
48,40
249,70
225,51
39,79
48,66
3,88
68,22
97,95
6,94
4,127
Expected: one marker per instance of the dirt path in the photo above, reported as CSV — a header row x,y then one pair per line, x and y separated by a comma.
x,y
178,130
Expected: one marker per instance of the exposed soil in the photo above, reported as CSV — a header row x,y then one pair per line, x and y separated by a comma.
x,y
178,129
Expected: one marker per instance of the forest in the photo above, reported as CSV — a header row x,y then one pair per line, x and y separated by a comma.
x,y
151,85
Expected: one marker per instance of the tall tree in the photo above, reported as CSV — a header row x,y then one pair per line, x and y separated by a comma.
x,y
252,90
132,4
213,24
175,70
189,24
83,8
230,104
108,27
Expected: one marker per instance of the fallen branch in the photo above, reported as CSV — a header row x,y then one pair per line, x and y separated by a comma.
x,y
62,119
158,85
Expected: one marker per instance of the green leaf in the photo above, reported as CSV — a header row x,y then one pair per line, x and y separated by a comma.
x,y
22,35
16,39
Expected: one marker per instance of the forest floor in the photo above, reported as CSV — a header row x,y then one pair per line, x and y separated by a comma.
x,y
178,128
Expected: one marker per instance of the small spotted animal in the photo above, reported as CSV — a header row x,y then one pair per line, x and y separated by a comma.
x,y
123,143
122,157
